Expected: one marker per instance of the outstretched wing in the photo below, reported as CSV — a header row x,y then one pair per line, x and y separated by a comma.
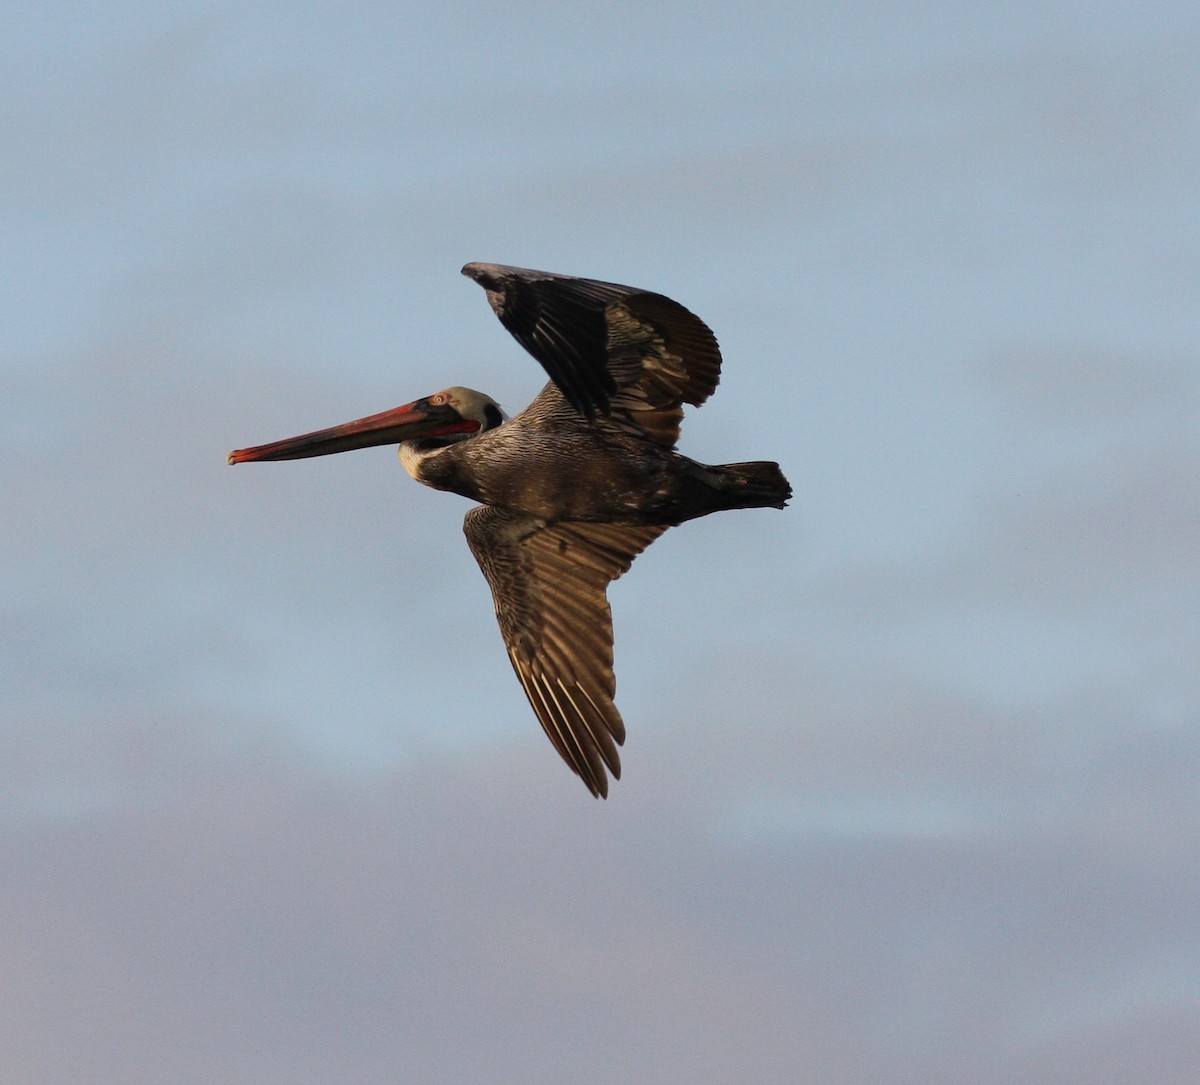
x,y
548,584
611,350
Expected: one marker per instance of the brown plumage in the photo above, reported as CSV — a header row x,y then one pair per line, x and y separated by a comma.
x,y
574,487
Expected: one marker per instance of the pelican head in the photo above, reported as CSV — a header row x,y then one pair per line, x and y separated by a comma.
x,y
453,414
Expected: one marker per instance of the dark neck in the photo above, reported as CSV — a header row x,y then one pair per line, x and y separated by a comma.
x,y
437,462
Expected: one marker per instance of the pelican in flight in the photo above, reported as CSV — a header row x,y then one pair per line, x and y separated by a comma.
x,y
574,487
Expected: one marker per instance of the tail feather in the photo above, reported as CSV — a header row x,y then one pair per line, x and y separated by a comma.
x,y
755,485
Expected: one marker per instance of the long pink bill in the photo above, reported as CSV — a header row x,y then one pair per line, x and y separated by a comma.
x,y
413,420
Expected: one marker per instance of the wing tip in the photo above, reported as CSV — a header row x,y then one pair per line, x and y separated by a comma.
x,y
475,268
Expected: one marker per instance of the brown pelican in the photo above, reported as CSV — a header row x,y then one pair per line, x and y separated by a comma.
x,y
574,487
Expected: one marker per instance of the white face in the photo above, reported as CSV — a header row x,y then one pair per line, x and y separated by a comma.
x,y
469,403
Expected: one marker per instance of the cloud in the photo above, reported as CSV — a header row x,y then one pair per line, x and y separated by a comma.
x,y
475,916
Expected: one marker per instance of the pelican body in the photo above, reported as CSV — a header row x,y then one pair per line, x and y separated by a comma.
x,y
574,487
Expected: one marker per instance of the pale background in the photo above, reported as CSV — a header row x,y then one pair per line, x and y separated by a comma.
x,y
911,789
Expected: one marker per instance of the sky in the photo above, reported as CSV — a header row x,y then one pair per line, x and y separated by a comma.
x,y
910,788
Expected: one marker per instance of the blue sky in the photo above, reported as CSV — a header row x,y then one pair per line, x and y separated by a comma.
x,y
910,782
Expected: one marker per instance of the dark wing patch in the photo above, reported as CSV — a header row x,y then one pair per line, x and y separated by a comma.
x,y
610,349
548,584
560,321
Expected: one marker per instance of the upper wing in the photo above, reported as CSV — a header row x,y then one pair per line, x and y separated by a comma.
x,y
611,350
548,584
